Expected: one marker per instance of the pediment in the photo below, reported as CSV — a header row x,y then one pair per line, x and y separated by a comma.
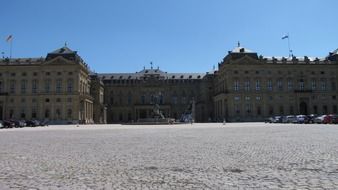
x,y
245,60
59,61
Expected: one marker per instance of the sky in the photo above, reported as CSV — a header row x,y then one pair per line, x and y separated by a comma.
x,y
176,35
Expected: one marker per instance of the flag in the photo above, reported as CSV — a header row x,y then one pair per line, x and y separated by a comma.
x,y
9,38
284,37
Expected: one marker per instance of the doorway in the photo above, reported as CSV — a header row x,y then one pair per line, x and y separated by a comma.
x,y
303,108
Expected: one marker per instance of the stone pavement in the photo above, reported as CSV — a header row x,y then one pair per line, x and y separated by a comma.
x,y
199,156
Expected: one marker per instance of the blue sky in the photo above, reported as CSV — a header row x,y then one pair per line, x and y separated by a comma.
x,y
176,35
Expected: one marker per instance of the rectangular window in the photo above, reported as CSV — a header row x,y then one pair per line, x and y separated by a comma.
x,y
34,86
12,86
258,85
301,85
290,85
70,86
58,85
236,85
313,84
23,86
47,86
280,84
269,85
323,85
247,85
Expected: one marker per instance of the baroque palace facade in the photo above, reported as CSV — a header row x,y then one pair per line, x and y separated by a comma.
x,y
246,87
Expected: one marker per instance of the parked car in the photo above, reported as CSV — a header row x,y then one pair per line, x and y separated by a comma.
x,y
319,119
32,123
8,124
302,119
331,118
312,118
335,119
290,119
19,123
1,125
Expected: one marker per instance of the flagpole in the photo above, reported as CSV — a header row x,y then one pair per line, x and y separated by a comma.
x,y
289,45
10,48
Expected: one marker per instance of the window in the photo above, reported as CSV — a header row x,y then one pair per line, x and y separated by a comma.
x,y
34,112
23,113
258,98
70,86
301,84
69,113
34,86
334,109
58,113
12,86
281,110
236,85
333,85
247,85
174,100
58,99
259,111
47,113
237,109
35,74
315,109
23,86
248,108
47,73
325,111
258,85
0,86
291,110
269,85
247,98
313,84
279,84
143,99
323,84
290,85
129,99
58,85
47,100
69,99
47,85
237,98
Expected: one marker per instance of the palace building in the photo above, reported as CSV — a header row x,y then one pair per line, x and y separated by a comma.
x,y
61,88
249,87
55,88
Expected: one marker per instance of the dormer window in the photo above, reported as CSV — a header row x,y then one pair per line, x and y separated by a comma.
x,y
173,77
241,50
181,76
199,76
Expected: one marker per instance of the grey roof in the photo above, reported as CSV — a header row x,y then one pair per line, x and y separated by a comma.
x,y
63,50
241,50
21,61
151,72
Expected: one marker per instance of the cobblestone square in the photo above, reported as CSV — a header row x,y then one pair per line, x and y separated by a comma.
x,y
198,156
